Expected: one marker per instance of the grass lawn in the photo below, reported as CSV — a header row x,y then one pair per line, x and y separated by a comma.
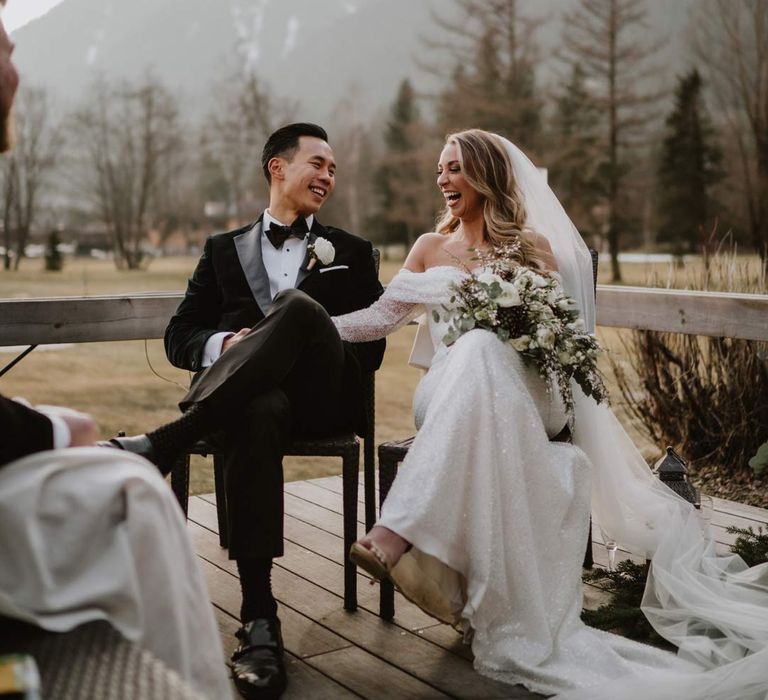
x,y
115,382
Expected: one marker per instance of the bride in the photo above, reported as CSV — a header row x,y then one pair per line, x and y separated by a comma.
x,y
486,523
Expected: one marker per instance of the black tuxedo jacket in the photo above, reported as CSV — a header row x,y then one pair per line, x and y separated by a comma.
x,y
23,430
229,290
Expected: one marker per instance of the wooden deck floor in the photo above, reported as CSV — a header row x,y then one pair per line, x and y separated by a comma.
x,y
335,654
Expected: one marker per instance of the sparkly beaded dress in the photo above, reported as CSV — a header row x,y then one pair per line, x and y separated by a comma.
x,y
497,513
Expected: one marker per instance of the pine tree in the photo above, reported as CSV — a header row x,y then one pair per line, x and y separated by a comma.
x,y
406,207
54,260
493,85
604,35
575,137
689,165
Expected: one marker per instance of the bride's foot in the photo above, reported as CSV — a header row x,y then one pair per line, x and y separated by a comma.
x,y
378,551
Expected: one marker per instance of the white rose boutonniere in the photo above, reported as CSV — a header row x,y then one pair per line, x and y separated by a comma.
x,y
322,249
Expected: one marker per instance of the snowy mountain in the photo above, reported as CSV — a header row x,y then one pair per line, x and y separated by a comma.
x,y
313,50
316,51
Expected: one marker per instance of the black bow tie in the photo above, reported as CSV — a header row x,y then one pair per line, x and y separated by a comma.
x,y
278,234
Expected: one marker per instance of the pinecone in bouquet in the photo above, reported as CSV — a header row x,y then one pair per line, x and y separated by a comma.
x,y
512,319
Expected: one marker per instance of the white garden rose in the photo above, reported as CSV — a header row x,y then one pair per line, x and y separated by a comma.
x,y
509,295
545,337
488,277
520,343
323,250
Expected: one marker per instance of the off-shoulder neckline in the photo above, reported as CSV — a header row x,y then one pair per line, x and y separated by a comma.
x,y
439,267
461,269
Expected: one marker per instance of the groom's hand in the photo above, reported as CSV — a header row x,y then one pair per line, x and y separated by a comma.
x,y
234,339
82,429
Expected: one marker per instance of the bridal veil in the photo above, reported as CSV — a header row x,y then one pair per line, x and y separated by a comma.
x,y
713,608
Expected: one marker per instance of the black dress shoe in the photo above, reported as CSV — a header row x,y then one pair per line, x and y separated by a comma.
x,y
257,664
138,444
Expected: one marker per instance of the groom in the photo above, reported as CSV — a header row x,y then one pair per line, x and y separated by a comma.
x,y
255,324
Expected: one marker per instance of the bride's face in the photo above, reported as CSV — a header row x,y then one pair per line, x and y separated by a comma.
x,y
463,201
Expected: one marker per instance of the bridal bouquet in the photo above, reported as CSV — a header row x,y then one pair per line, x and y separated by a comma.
x,y
529,311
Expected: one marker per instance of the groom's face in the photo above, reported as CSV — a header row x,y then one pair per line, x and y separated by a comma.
x,y
307,179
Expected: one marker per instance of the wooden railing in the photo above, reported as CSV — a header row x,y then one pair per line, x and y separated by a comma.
x,y
138,316
716,314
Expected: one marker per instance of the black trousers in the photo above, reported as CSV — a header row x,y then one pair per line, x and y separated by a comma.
x,y
284,379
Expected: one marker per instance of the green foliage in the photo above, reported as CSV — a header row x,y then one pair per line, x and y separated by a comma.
x,y
401,178
576,139
759,462
622,615
493,85
751,546
627,584
690,164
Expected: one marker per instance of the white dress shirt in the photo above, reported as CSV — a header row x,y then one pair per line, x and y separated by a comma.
x,y
282,266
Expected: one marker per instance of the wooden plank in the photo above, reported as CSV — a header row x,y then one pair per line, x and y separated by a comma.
x,y
137,316
86,319
371,677
336,484
303,680
679,311
302,636
409,652
446,637
759,516
323,518
313,493
318,556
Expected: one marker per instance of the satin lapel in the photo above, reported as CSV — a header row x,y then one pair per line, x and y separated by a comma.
x,y
317,229
248,246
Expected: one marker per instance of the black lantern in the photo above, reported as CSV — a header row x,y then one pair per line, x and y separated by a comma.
x,y
671,470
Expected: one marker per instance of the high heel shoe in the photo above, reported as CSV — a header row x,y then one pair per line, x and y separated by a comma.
x,y
370,559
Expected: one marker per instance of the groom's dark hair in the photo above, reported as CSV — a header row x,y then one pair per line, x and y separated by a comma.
x,y
285,142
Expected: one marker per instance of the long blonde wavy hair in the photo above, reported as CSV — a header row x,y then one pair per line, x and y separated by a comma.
x,y
487,168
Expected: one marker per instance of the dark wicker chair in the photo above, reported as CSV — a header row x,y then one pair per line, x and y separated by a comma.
x,y
93,661
345,446
392,453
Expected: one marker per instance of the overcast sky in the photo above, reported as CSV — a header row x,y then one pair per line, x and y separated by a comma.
x,y
18,12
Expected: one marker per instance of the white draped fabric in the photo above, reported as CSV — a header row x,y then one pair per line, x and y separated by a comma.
x,y
497,514
90,533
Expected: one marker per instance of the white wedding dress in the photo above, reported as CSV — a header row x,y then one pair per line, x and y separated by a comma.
x,y
498,518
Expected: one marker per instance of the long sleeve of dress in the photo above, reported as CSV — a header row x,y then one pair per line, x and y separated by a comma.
x,y
383,317
405,298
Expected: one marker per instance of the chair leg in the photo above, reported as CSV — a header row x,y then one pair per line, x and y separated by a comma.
x,y
369,469
221,501
369,465
351,465
588,560
180,482
387,473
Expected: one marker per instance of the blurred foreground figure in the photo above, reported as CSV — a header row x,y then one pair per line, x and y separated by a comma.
x,y
88,534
